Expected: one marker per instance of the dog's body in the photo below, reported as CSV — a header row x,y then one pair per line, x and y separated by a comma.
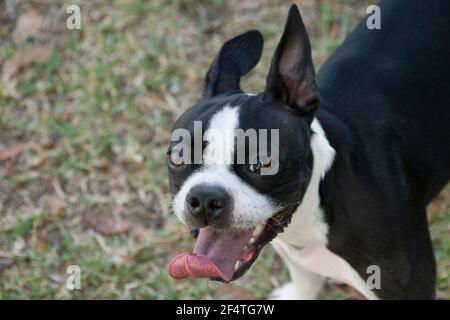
x,y
379,152
385,109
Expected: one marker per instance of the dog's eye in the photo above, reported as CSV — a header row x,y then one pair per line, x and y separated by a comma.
x,y
256,167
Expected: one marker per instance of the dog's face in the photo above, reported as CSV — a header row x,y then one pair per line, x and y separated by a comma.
x,y
245,196
238,161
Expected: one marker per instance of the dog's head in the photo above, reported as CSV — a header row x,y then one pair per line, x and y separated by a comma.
x,y
239,163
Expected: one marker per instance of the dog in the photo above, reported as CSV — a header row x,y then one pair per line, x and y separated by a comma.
x,y
363,148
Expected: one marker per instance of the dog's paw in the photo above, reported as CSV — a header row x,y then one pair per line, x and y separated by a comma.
x,y
285,292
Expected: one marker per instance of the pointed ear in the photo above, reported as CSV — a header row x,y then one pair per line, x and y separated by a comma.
x,y
235,59
291,78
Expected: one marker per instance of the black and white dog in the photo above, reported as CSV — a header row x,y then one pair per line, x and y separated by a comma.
x,y
354,176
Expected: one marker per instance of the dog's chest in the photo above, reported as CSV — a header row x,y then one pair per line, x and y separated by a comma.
x,y
307,228
304,242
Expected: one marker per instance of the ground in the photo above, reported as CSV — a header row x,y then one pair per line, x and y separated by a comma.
x,y
85,118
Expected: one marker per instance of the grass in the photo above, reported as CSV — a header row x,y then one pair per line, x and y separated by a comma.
x,y
97,116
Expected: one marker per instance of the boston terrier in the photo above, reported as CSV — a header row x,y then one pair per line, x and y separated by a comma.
x,y
362,149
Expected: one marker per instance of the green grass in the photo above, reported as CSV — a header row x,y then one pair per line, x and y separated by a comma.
x,y
98,115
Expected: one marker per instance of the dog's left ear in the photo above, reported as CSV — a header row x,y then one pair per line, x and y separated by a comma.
x,y
291,78
235,59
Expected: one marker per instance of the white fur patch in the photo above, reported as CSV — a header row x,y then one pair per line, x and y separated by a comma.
x,y
305,285
220,137
250,207
321,261
285,292
307,226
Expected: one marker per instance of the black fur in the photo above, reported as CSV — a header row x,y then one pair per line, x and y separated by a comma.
x,y
291,78
386,110
235,59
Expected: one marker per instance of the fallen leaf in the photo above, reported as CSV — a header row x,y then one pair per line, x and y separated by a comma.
x,y
41,245
28,25
107,224
13,150
57,206
9,169
39,54
335,30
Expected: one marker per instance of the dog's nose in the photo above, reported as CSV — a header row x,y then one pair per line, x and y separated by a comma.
x,y
207,203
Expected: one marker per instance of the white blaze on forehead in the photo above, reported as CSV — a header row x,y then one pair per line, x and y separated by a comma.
x,y
220,137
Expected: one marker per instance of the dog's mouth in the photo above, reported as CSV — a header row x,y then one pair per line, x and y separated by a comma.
x,y
225,255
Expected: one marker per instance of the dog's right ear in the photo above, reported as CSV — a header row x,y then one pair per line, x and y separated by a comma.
x,y
291,77
235,59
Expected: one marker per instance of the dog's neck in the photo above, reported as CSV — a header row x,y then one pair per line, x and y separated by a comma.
x,y
308,227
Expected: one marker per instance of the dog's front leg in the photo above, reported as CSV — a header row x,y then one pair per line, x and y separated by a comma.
x,y
305,285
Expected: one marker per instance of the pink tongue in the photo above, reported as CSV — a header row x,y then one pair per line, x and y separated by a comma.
x,y
215,254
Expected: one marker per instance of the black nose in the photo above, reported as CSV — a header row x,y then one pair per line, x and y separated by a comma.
x,y
207,203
